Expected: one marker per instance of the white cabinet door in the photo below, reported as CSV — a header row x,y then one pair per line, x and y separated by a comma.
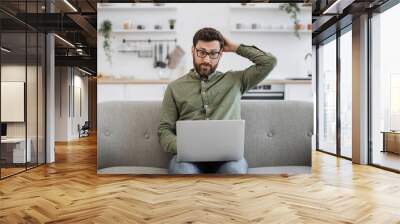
x,y
145,92
301,92
130,92
110,92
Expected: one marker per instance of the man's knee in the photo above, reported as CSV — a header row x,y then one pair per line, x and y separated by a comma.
x,y
234,167
176,167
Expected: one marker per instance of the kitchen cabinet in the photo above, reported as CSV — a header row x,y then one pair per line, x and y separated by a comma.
x,y
130,92
302,92
145,90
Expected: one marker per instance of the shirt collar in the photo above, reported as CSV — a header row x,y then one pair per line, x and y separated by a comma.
x,y
197,75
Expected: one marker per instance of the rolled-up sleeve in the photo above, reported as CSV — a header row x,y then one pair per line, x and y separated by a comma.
x,y
263,65
168,118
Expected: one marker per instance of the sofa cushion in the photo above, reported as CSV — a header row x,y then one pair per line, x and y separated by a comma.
x,y
277,133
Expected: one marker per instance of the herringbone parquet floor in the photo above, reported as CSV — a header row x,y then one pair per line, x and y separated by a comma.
x,y
69,191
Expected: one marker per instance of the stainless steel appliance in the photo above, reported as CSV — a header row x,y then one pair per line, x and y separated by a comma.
x,y
265,92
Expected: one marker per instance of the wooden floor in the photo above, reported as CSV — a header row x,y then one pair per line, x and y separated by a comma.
x,y
5,172
387,159
70,191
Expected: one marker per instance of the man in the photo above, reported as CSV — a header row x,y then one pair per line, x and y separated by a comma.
x,y
206,94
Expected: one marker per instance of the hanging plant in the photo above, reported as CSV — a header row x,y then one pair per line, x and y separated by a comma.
x,y
293,10
105,30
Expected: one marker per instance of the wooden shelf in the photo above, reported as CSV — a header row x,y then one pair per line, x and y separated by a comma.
x,y
270,6
142,31
264,7
133,7
269,31
104,80
109,80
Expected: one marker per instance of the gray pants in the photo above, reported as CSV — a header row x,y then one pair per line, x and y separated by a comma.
x,y
229,167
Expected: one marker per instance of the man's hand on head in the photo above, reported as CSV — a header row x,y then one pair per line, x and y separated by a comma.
x,y
229,45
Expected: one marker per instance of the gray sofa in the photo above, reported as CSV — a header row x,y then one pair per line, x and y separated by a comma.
x,y
277,137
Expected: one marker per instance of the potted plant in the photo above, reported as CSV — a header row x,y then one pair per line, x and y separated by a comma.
x,y
105,30
293,10
172,23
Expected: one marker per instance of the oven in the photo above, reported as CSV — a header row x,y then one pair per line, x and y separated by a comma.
x,y
265,92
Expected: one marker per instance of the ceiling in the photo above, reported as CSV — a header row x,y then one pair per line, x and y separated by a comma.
x,y
76,22
326,22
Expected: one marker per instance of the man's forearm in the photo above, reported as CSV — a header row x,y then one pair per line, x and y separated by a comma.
x,y
167,140
166,129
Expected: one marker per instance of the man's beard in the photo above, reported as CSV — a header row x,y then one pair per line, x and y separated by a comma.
x,y
204,69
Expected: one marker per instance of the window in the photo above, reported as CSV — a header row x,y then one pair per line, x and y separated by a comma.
x,y
346,94
327,97
22,67
385,89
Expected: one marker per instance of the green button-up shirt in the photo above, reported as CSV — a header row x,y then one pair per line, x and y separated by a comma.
x,y
192,97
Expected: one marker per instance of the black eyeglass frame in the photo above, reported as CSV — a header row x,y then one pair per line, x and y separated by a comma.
x,y
207,53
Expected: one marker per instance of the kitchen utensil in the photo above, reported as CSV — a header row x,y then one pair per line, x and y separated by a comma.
x,y
167,57
145,53
161,63
175,57
155,56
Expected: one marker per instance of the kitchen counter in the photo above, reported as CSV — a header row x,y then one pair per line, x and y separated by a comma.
x,y
110,89
166,81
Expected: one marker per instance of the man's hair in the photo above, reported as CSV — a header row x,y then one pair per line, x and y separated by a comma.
x,y
208,34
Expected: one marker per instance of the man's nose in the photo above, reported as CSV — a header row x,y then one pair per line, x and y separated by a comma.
x,y
207,58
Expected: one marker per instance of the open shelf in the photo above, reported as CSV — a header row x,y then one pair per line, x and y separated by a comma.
x,y
269,31
270,6
133,7
143,31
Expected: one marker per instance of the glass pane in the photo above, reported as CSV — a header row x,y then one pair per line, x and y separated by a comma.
x,y
41,98
31,101
327,97
386,89
13,87
346,94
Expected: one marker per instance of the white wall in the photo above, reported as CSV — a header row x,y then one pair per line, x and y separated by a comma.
x,y
15,72
61,103
80,83
289,50
68,79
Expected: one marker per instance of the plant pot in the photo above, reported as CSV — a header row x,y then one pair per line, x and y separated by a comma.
x,y
171,24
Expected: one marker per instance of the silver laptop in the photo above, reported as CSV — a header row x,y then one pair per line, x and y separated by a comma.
x,y
210,140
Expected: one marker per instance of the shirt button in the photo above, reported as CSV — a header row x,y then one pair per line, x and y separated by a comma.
x,y
203,92
206,106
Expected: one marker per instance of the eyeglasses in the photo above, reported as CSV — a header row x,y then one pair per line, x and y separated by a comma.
x,y
203,53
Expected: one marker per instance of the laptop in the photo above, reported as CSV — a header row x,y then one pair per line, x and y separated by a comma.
x,y
210,140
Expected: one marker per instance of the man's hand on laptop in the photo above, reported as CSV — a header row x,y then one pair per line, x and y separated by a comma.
x,y
229,45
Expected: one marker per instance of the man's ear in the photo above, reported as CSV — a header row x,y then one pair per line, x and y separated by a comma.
x,y
192,49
